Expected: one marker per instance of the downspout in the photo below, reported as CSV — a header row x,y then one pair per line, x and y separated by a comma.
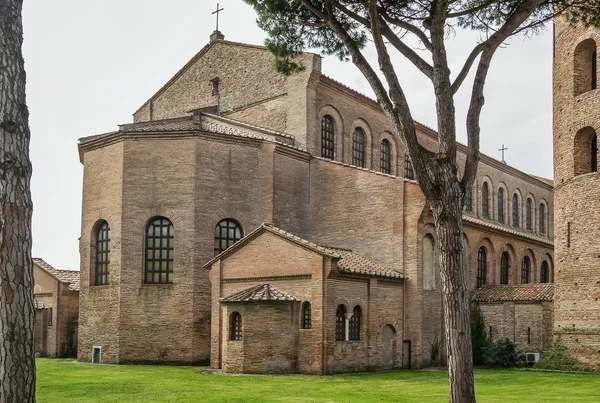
x,y
323,321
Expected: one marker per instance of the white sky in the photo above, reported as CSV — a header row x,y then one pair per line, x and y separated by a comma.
x,y
90,65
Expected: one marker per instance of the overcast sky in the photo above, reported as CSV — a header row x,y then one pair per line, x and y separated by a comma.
x,y
90,65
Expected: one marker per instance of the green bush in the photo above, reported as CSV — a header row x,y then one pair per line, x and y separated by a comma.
x,y
559,358
479,339
500,354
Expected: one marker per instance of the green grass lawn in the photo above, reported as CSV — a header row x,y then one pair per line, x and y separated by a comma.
x,y
68,381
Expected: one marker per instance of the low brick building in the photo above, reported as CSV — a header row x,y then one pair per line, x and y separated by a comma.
x,y
229,144
282,304
56,298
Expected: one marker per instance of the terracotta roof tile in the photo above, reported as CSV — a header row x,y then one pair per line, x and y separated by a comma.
x,y
177,124
516,293
66,276
261,292
521,233
39,304
352,263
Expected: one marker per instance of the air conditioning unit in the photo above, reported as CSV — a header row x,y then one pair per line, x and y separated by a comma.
x,y
532,358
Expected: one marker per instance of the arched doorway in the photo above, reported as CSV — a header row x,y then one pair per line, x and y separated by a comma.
x,y
389,346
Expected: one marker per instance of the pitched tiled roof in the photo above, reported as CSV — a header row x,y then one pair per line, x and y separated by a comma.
x,y
352,263
516,293
166,125
39,304
261,292
496,226
66,276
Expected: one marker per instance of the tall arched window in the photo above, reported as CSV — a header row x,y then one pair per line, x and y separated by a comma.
x,y
585,74
428,263
358,148
469,200
504,268
501,205
327,138
385,157
227,232
481,266
528,223
542,218
355,323
525,269
585,151
160,242
306,316
409,173
515,211
545,273
102,260
235,326
340,323
485,208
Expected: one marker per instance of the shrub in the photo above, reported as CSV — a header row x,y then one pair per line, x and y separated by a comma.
x,y
500,353
559,358
479,339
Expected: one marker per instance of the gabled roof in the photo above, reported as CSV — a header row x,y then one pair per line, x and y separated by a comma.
x,y
348,262
65,276
261,292
505,229
515,293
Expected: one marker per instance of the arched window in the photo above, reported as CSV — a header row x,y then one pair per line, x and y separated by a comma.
x,y
358,148
340,323
545,273
355,323
227,232
585,151
585,74
327,138
102,259
525,265
481,266
515,211
235,326
528,224
160,242
306,316
469,200
385,157
485,208
504,268
542,218
409,173
501,205
428,263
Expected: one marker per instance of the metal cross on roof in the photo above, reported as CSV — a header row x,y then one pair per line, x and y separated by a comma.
x,y
503,149
217,11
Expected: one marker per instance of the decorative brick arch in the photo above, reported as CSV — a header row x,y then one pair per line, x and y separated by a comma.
x,y
546,257
360,122
394,151
496,205
513,263
584,48
534,210
490,199
519,194
490,252
338,129
546,218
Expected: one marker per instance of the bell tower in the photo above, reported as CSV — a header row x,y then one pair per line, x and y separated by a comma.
x,y
577,190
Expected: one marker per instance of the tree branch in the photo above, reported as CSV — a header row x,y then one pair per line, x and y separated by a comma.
x,y
408,27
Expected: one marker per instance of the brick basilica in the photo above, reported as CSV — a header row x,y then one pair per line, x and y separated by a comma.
x,y
272,224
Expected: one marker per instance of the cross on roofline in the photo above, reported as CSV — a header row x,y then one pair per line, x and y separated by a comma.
x,y
217,11
503,149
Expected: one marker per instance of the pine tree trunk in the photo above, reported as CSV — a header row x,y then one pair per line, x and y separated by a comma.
x,y
450,248
17,361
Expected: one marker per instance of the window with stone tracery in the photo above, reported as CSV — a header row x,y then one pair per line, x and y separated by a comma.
x,y
160,245
358,148
385,157
102,252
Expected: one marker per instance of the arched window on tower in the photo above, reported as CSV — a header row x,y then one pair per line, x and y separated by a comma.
x,y
327,138
545,273
481,266
355,323
585,151
501,205
340,323
504,268
385,157
585,64
358,148
542,218
102,259
525,270
160,245
528,220
227,232
409,173
515,210
485,208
